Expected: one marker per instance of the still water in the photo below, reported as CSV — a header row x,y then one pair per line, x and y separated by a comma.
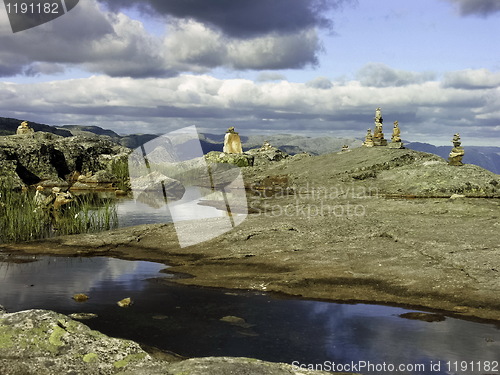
x,y
134,212
187,320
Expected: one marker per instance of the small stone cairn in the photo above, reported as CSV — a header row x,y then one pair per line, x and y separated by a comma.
x,y
396,139
24,129
457,153
266,146
368,139
232,142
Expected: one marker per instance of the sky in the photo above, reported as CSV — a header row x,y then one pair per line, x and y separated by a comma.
x,y
311,67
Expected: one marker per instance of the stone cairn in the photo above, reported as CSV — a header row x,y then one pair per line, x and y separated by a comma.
x,y
457,153
24,129
266,146
368,139
232,142
396,139
378,135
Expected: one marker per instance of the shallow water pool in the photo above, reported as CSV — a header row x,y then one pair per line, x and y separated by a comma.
x,y
194,321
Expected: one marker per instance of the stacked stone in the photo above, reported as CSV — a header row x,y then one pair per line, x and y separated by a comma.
x,y
378,135
24,129
457,153
368,139
266,146
232,142
396,139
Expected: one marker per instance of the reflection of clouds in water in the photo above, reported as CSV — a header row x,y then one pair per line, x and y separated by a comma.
x,y
376,333
188,208
67,276
132,212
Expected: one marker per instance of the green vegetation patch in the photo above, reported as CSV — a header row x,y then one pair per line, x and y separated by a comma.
x,y
5,337
91,357
21,219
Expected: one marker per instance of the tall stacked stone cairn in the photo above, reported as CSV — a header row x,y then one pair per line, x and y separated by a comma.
x,y
368,139
396,139
457,153
232,142
378,135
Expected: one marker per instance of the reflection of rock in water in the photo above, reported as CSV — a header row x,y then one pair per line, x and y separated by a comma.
x,y
155,189
160,197
236,321
426,317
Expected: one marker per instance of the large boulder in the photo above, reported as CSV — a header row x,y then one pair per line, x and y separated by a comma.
x,y
266,155
8,175
44,342
43,156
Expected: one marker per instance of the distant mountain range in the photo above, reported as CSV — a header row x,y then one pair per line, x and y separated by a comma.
x,y
486,157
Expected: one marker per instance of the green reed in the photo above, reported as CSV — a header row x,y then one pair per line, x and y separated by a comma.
x,y
22,220
120,169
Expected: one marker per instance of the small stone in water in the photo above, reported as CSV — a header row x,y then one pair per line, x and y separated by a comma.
x,y
80,297
82,316
126,302
160,317
236,321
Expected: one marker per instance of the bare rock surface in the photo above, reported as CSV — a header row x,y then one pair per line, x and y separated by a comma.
x,y
44,342
33,158
373,225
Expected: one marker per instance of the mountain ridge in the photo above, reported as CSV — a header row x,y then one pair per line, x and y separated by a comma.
x,y
487,157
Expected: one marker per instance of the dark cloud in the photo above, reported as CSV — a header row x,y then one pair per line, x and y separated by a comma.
x,y
381,75
243,18
36,69
102,43
477,7
116,45
11,65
